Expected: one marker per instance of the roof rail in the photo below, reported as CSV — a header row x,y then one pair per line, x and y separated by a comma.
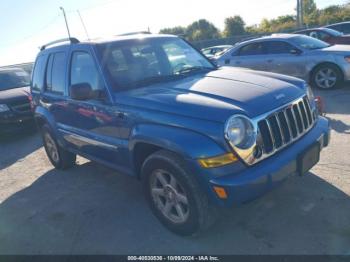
x,y
72,40
135,33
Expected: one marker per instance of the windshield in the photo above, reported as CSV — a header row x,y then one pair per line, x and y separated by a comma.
x,y
310,43
13,78
139,62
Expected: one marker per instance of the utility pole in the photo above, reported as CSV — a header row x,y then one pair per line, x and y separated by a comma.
x,y
301,5
65,19
298,14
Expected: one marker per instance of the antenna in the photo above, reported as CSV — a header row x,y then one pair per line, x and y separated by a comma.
x,y
65,19
82,21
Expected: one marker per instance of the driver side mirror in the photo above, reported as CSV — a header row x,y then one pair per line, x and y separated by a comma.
x,y
81,91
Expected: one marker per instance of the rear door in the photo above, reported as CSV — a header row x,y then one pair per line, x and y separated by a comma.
x,y
55,93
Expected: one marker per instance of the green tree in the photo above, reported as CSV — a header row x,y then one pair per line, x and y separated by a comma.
x,y
310,12
202,30
234,26
265,26
177,30
252,29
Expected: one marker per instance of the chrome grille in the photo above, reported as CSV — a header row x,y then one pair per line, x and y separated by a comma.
x,y
283,127
24,107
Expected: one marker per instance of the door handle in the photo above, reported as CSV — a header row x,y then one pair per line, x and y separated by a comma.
x,y
270,60
238,62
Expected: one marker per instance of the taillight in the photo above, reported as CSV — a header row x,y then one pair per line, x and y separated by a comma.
x,y
320,105
31,102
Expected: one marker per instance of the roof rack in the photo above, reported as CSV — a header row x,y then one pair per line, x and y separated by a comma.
x,y
72,40
135,33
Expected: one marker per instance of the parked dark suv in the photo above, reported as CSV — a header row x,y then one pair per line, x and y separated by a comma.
x,y
153,107
15,109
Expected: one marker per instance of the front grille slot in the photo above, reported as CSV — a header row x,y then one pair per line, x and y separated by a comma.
x,y
285,126
266,136
276,132
303,114
292,122
298,118
308,110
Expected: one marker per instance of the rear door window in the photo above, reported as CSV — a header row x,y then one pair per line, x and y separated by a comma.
x,y
278,47
252,49
55,74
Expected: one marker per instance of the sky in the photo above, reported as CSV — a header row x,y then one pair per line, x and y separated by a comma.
x,y
27,24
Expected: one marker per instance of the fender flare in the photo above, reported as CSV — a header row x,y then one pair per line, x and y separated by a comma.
x,y
43,116
187,143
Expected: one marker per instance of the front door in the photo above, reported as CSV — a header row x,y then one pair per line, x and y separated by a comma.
x,y
286,59
91,126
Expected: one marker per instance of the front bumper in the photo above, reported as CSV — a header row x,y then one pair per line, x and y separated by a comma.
x,y
11,122
254,181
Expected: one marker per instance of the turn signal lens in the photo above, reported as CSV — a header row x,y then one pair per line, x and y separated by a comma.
x,y
221,192
218,161
347,59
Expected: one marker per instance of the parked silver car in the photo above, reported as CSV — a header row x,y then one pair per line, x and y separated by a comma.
x,y
323,65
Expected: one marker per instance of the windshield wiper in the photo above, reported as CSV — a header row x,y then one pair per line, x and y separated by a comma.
x,y
155,79
192,69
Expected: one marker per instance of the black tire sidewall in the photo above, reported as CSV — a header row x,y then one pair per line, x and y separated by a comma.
x,y
335,69
46,130
66,159
192,225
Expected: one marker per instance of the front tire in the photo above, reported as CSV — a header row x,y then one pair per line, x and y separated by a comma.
x,y
175,196
327,77
58,156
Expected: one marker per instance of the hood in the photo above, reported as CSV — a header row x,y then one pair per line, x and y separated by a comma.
x,y
13,95
217,95
336,49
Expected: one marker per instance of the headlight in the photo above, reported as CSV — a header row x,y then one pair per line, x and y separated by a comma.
x,y
240,132
4,108
310,94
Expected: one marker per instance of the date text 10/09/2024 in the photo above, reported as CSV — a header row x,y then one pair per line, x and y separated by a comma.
x,y
173,258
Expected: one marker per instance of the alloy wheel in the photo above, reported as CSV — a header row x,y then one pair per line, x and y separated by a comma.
x,y
169,196
51,147
326,78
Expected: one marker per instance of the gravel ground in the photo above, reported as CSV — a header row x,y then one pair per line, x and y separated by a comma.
x,y
93,210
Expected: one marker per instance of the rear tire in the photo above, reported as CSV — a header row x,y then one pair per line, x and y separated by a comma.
x,y
175,196
327,77
58,156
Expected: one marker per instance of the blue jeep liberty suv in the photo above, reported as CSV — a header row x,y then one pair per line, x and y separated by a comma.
x,y
197,136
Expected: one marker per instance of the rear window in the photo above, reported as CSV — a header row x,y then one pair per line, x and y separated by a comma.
x,y
13,78
39,73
